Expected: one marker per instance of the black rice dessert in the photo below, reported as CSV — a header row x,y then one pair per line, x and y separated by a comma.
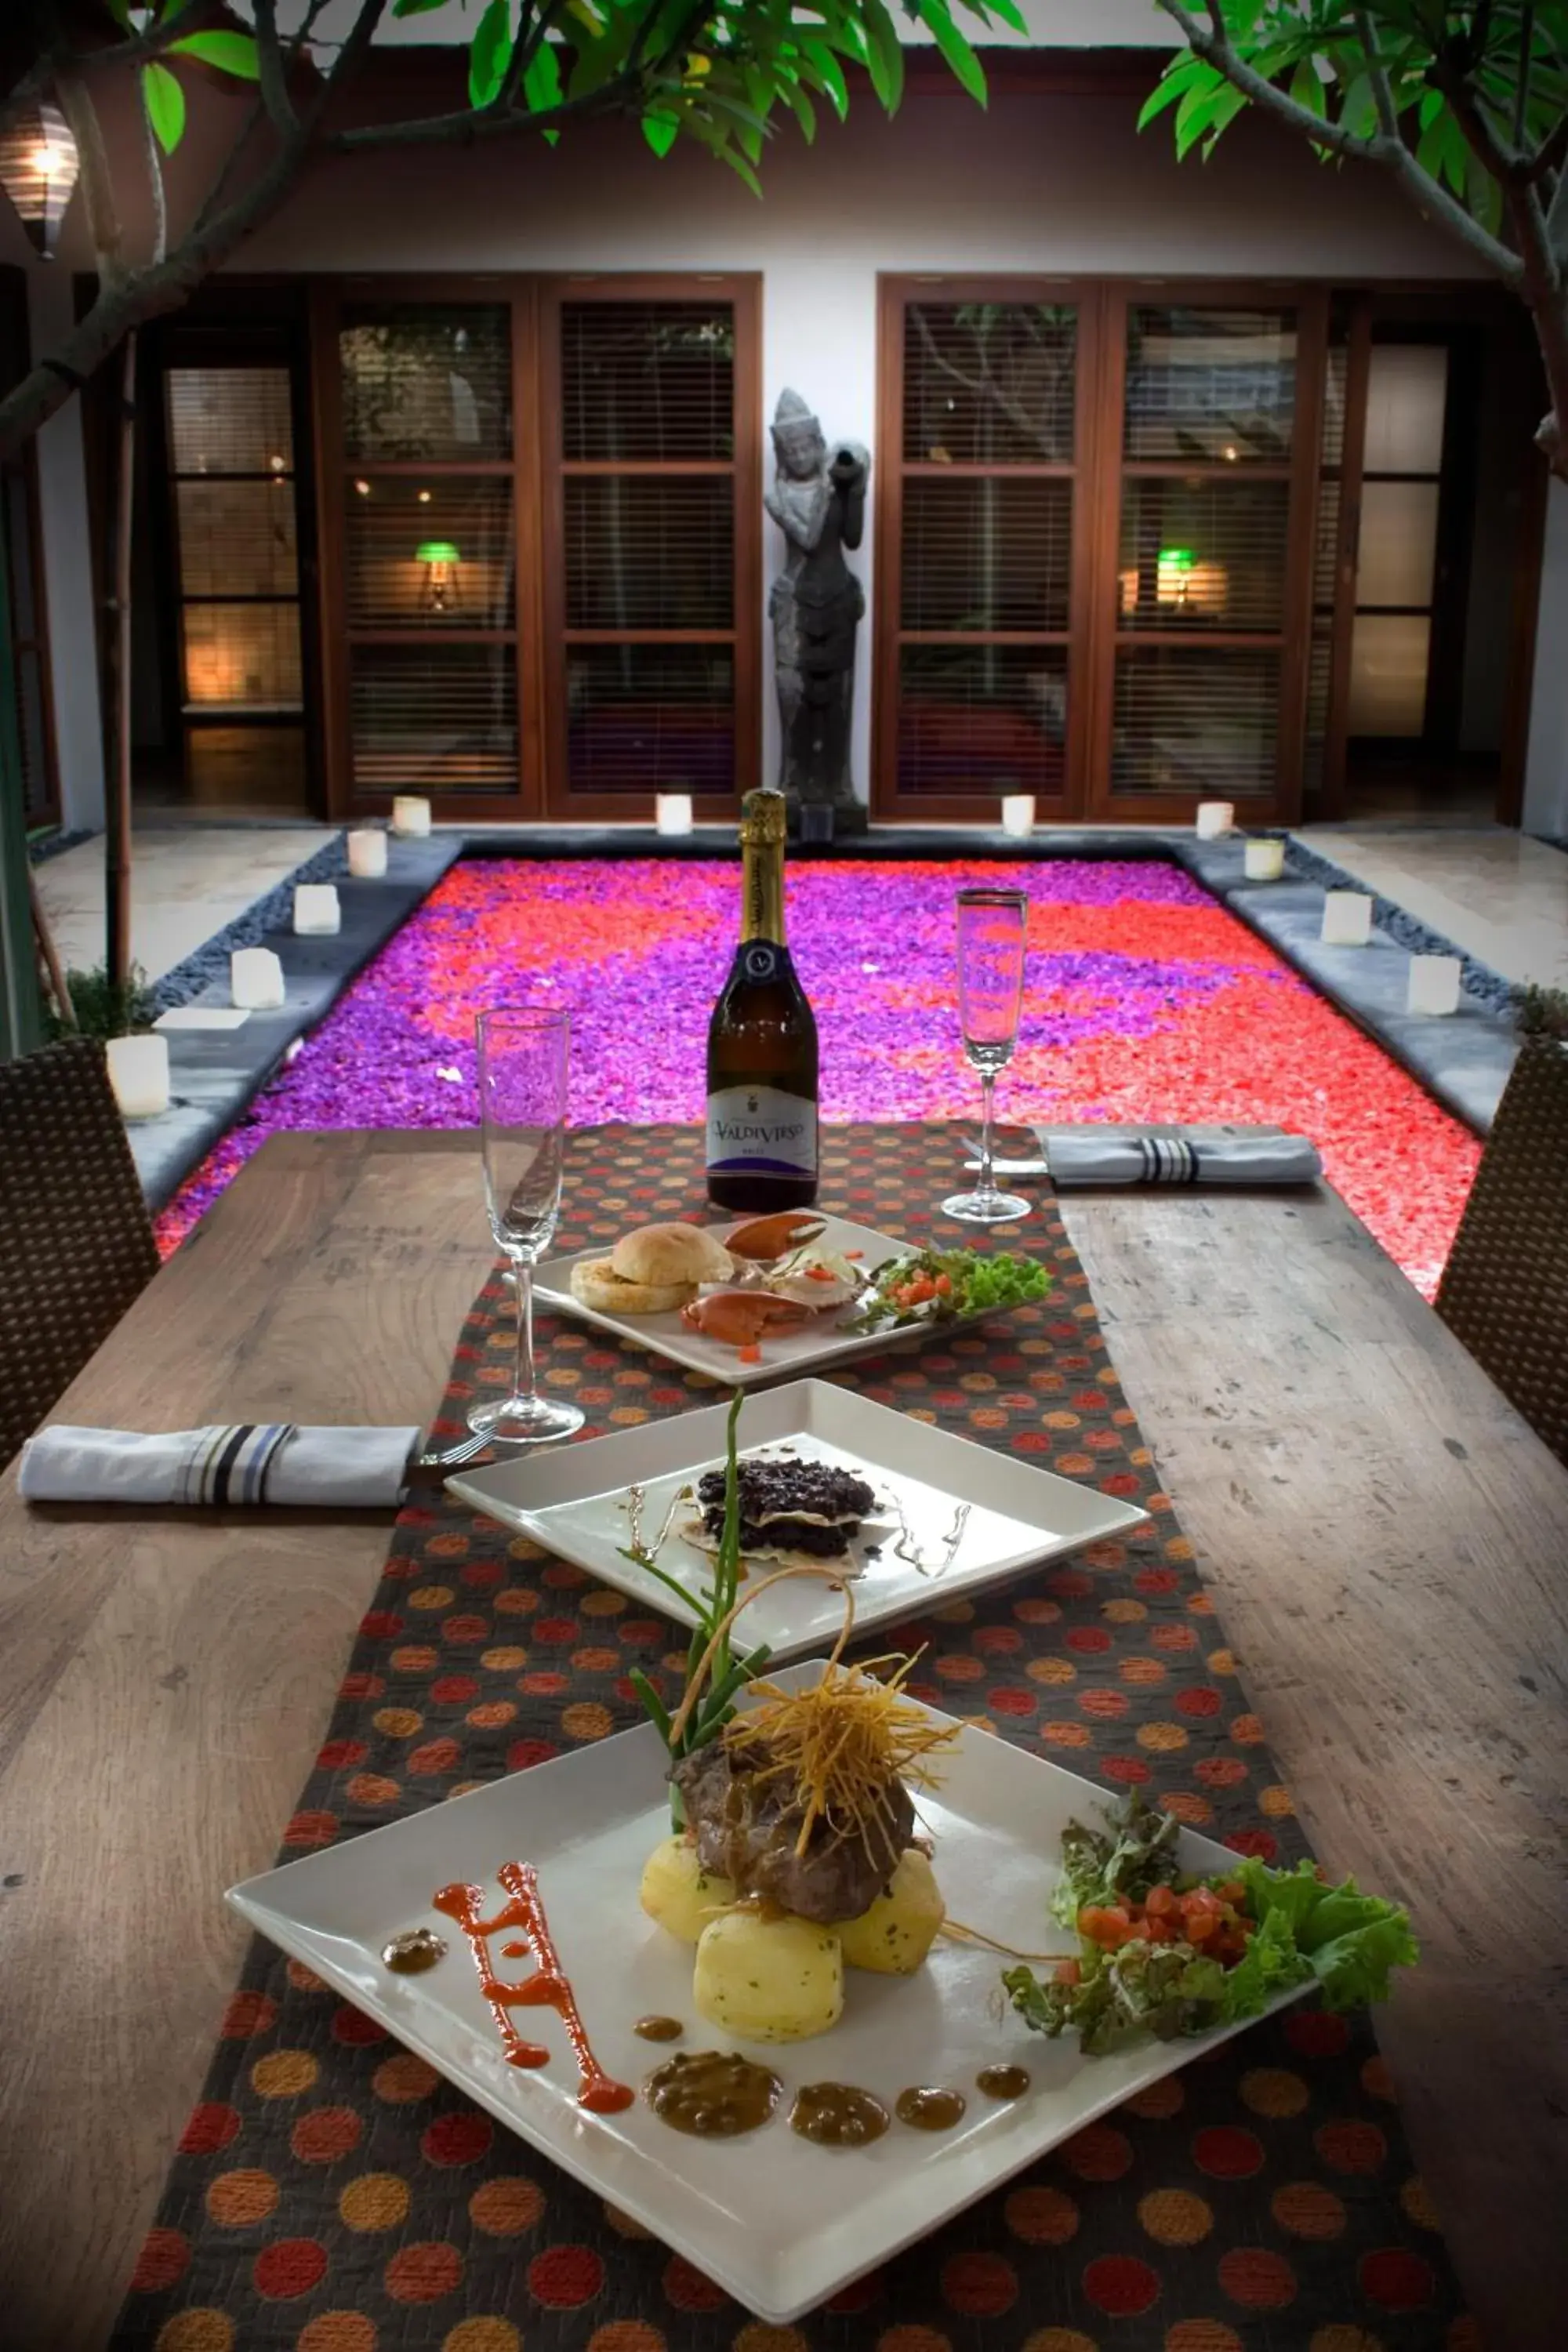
x,y
798,1507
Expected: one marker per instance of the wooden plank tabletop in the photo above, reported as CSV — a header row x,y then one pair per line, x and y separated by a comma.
x,y
1384,1540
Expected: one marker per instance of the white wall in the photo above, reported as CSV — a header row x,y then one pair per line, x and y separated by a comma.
x,y
1546,766
1037,183
67,559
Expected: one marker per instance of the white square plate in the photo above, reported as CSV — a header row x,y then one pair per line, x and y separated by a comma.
x,y
973,1515
821,1342
778,2223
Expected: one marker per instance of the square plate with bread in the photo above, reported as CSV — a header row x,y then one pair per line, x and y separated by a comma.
x,y
680,1291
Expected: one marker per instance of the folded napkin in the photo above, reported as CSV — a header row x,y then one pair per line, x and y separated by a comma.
x,y
247,1462
1177,1155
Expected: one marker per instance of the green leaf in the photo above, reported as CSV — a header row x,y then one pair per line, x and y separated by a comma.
x,y
884,56
965,64
829,73
165,104
661,132
542,85
231,53
801,107
1006,13
1174,84
416,7
490,53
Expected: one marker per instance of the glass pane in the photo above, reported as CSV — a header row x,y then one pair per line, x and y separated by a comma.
x,y
649,554
236,538
426,379
1389,657
983,719
989,382
1203,555
992,554
1335,377
230,420
1325,558
1194,720
242,657
647,379
435,719
1406,403
1212,385
641,718
430,555
1398,558
1319,665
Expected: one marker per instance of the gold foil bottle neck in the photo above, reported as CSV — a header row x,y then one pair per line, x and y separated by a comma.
x,y
763,820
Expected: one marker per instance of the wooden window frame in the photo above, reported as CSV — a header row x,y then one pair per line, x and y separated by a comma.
x,y
536,471
46,810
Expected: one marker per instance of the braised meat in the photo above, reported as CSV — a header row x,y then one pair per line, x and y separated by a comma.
x,y
806,1507
746,1824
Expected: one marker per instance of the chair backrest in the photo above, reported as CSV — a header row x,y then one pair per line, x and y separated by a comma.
x,y
76,1241
1504,1290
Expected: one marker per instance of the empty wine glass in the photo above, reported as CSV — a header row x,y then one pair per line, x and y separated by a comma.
x,y
993,930
523,1063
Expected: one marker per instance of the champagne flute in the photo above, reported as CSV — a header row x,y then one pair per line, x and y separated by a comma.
x,y
523,1063
993,930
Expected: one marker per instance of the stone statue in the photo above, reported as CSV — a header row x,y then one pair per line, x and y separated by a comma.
x,y
819,504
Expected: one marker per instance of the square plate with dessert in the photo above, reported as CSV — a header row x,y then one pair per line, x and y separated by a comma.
x,y
908,1515
765,1297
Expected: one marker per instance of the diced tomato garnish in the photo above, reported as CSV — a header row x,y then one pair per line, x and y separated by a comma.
x,y
944,1286
1068,1972
854,1257
1232,1892
1161,1902
1200,1924
922,1288
1159,1931
819,1274
752,1355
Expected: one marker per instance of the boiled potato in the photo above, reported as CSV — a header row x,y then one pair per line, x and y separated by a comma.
x,y
678,1892
894,1936
778,1979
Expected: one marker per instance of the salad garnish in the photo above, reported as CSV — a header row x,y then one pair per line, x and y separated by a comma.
x,y
943,1286
1170,1953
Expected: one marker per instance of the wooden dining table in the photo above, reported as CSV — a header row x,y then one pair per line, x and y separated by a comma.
x,y
1385,1543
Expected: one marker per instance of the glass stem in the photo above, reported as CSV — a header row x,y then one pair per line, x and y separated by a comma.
x,y
522,1385
987,1089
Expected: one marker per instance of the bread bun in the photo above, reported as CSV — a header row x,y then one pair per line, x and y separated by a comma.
x,y
595,1283
659,1255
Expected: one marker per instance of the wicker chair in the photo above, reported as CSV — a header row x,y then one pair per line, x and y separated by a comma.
x,y
76,1242
1504,1290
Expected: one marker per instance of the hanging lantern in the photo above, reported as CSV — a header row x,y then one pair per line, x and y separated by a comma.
x,y
438,593
38,164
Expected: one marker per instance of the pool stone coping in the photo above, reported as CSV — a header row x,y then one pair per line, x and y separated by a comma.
x,y
1464,1059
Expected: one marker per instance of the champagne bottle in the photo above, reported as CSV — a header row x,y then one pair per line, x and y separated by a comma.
x,y
761,1042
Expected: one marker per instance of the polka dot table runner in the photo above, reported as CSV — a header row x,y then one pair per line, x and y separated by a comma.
x,y
331,2193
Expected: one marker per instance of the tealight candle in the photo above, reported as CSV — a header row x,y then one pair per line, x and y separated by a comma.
x,y
367,853
672,811
1215,817
1018,814
316,908
138,1073
410,815
1347,919
255,979
1263,860
1434,983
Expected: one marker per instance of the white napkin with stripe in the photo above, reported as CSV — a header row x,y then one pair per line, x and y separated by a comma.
x,y
242,1461
1093,1154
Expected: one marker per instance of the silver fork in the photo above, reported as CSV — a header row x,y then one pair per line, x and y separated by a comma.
x,y
452,1457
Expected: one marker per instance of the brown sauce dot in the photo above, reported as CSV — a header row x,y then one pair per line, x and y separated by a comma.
x,y
838,2115
711,2094
659,2029
929,2110
1002,2082
413,1951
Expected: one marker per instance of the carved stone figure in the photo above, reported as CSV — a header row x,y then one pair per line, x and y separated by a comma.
x,y
819,503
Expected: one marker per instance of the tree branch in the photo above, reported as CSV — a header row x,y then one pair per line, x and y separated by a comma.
x,y
155,179
96,179
272,77
1392,153
59,58
1377,74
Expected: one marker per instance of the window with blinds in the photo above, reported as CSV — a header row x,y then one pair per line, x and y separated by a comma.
x,y
982,547
430,585
649,631
1208,424
230,438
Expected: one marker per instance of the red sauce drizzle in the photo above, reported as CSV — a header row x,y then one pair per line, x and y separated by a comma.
x,y
549,1987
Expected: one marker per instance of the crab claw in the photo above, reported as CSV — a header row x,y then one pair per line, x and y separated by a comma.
x,y
763,1238
738,1318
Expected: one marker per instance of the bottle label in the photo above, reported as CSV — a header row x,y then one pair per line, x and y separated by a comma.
x,y
760,1131
762,959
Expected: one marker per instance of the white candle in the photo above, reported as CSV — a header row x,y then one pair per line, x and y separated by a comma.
x,y
1018,814
1215,817
1347,919
1263,860
367,853
316,906
1434,983
138,1073
410,815
255,979
672,811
